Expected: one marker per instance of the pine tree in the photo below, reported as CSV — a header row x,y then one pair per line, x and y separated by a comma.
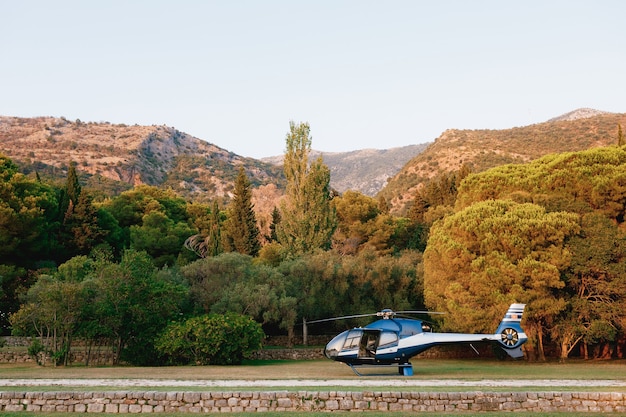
x,y
308,220
242,233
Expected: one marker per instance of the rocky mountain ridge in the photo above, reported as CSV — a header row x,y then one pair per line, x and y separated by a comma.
x,y
366,170
484,149
118,157
131,155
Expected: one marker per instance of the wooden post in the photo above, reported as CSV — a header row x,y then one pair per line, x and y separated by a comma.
x,y
305,333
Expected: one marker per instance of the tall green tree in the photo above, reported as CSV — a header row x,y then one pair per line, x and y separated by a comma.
x,y
308,220
28,217
596,288
51,310
493,253
83,226
132,303
213,241
242,233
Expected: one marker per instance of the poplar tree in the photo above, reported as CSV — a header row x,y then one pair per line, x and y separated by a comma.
x,y
308,220
242,233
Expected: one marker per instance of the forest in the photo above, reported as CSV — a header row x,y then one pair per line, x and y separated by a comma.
x,y
133,269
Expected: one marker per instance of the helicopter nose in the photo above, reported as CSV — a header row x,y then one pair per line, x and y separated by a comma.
x,y
332,349
330,353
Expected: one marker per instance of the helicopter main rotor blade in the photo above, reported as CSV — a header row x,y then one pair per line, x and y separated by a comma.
x,y
418,312
342,318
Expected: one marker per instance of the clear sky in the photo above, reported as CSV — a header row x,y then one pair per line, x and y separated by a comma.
x,y
364,74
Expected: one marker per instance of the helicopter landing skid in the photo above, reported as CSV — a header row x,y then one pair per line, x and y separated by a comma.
x,y
404,369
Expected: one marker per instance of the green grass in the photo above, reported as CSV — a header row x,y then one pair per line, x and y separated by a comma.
x,y
465,369
424,369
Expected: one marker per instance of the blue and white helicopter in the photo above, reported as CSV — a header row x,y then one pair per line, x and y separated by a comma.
x,y
392,341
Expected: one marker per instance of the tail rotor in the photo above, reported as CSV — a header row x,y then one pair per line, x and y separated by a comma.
x,y
510,333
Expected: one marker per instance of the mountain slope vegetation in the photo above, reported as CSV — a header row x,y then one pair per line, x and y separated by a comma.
x,y
121,156
484,149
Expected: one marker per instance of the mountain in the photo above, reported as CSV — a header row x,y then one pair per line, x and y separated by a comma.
x,y
484,149
365,170
120,156
111,158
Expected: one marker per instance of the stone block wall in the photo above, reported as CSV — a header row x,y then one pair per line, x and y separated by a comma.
x,y
262,401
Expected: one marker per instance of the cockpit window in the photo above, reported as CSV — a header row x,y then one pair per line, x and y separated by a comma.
x,y
353,339
387,339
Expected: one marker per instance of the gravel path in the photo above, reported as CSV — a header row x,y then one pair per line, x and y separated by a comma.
x,y
390,382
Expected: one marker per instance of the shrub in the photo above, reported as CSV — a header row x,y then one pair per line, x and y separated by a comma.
x,y
216,339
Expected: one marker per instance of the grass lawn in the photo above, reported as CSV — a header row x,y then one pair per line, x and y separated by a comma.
x,y
465,369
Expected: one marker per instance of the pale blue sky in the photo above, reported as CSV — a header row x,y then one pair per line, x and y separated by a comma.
x,y
364,74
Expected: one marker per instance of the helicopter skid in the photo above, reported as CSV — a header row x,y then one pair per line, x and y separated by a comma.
x,y
404,369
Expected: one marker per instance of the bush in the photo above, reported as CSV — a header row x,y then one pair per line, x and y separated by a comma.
x,y
37,351
214,339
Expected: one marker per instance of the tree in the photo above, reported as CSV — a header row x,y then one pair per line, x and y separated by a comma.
x,y
242,233
275,221
307,218
153,220
160,237
83,226
52,312
213,241
28,217
356,214
208,242
596,284
493,253
132,302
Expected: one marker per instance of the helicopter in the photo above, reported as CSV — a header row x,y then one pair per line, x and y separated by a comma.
x,y
392,341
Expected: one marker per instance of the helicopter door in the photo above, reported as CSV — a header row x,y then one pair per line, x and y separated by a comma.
x,y
369,344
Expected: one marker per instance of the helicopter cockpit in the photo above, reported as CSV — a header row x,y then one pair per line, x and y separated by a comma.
x,y
364,342
361,343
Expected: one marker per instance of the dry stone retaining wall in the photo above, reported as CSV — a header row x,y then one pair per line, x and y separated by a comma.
x,y
251,401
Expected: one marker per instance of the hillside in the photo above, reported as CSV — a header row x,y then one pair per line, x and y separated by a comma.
x,y
116,157
484,149
366,170
112,158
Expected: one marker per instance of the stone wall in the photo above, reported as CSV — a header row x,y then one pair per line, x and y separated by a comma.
x,y
250,401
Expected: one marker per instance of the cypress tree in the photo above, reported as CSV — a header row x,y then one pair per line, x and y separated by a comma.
x,y
242,233
213,242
